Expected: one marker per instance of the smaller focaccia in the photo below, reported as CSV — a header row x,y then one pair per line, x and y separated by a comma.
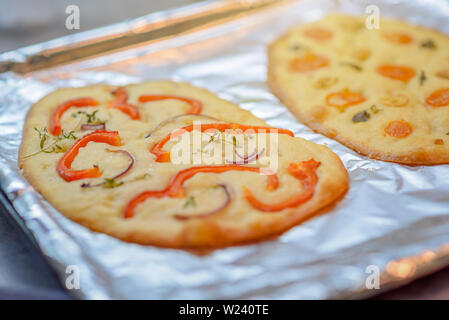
x,y
382,92
106,157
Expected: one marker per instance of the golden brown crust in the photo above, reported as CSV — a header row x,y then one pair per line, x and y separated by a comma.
x,y
102,210
422,149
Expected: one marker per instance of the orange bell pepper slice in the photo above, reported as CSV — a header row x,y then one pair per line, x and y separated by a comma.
x,y
55,121
64,164
343,99
398,37
164,156
317,33
175,187
195,105
120,103
398,129
305,172
394,72
308,62
439,98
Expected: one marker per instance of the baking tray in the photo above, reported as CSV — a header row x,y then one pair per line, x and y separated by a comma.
x,y
394,218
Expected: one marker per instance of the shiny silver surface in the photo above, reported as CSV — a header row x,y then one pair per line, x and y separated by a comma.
x,y
394,217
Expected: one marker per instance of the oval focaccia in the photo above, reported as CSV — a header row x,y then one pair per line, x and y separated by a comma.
x,y
382,92
172,165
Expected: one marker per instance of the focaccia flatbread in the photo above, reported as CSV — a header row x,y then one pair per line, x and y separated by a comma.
x,y
110,178
382,92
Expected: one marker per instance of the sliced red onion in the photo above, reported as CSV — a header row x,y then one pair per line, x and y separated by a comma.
x,y
168,120
92,126
131,163
248,156
247,159
88,185
202,215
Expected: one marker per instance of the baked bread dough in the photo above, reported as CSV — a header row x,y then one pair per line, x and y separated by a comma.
x,y
211,208
382,92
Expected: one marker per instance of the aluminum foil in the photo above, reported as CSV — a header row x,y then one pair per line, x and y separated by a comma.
x,y
394,217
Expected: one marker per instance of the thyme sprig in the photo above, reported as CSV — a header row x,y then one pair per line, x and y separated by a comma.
x,y
110,183
213,138
55,145
91,117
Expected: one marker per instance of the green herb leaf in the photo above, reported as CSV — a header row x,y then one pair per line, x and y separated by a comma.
x,y
111,183
361,116
352,65
422,77
189,202
211,139
374,109
43,136
143,176
68,135
325,82
428,44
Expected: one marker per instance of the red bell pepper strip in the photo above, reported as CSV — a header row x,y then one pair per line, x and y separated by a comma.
x,y
120,102
64,164
305,172
195,105
164,156
55,122
175,187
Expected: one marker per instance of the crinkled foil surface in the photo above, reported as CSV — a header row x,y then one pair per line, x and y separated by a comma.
x,y
394,217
